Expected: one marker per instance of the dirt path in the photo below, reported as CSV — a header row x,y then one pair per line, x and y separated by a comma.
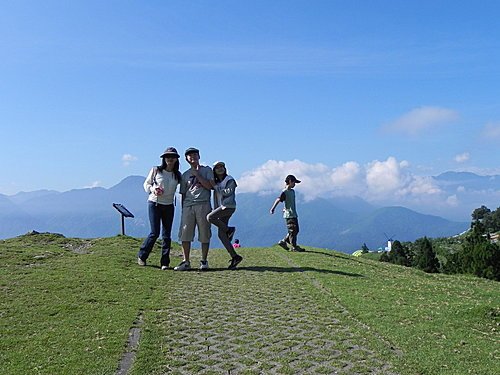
x,y
256,320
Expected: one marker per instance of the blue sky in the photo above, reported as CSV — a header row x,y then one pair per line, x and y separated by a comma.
x,y
365,97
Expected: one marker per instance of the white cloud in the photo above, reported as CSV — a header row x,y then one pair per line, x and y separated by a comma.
x,y
127,159
419,186
421,119
384,177
348,173
491,131
377,181
270,177
462,158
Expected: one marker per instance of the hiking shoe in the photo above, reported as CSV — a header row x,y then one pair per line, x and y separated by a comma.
x,y
230,233
203,265
183,266
234,262
283,244
164,268
141,262
298,249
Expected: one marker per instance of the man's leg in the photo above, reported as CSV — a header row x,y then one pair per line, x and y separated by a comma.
x,y
204,250
187,235
186,250
204,230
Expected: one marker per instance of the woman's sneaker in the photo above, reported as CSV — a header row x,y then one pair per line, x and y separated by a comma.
x,y
234,262
203,265
183,266
141,262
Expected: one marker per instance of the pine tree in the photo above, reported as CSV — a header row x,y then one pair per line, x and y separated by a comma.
x,y
399,254
479,213
486,261
478,256
425,257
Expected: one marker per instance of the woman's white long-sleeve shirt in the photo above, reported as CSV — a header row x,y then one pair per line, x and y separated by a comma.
x,y
164,179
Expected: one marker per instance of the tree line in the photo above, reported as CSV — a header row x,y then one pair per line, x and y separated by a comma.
x,y
471,253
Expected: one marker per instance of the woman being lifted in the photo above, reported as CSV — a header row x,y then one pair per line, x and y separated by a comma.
x,y
224,207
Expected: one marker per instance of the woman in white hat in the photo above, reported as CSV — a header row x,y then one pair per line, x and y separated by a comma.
x,y
224,207
161,185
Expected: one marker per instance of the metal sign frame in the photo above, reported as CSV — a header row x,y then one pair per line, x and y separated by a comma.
x,y
123,213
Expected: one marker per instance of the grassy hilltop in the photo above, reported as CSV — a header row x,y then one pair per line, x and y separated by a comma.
x,y
73,306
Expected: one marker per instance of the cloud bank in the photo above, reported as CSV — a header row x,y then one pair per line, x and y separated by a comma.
x,y
376,182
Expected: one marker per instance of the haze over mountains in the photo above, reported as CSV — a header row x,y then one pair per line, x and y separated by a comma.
x,y
339,223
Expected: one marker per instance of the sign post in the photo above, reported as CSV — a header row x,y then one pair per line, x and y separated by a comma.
x,y
124,213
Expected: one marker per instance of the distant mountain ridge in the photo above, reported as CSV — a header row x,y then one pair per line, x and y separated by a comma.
x,y
343,224
468,179
468,191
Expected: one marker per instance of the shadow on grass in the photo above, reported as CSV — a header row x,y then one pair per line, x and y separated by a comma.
x,y
297,269
327,254
269,269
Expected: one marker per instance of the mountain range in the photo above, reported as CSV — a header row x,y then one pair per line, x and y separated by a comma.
x,y
343,223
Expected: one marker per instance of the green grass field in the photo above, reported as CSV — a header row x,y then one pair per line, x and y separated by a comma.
x,y
73,306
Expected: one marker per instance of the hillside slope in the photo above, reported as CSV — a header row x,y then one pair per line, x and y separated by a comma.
x,y
71,305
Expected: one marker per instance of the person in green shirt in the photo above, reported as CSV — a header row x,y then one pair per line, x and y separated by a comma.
x,y
289,214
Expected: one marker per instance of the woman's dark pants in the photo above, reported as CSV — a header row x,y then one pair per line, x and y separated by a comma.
x,y
159,215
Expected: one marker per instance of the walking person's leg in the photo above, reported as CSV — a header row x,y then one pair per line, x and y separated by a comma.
x,y
147,245
286,240
293,230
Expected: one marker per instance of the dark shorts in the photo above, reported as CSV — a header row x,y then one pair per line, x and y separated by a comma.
x,y
292,225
